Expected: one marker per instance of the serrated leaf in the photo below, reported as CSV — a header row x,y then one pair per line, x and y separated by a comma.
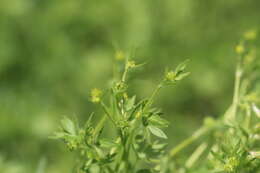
x,y
157,132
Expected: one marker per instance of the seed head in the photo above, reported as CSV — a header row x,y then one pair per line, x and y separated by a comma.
x,y
96,95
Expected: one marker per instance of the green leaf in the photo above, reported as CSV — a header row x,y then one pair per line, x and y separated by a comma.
x,y
159,146
58,135
130,103
68,126
157,132
181,76
181,67
144,171
158,121
88,123
107,143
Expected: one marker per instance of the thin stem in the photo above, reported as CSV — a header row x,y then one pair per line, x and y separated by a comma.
x,y
107,113
200,132
236,96
150,100
125,72
248,117
100,125
196,154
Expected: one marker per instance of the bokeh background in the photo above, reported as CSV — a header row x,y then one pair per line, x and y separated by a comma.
x,y
53,52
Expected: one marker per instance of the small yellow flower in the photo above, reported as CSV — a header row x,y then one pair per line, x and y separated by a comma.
x,y
240,49
96,95
250,35
119,55
130,64
170,76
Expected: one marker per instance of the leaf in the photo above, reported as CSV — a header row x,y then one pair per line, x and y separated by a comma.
x,y
158,121
144,171
181,76
68,126
243,131
107,143
256,110
58,135
181,67
159,146
88,123
130,103
157,132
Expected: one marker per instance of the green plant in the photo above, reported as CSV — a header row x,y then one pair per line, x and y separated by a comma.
x,y
228,144
137,124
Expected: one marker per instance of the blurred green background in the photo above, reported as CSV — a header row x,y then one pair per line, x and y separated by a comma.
x,y
53,52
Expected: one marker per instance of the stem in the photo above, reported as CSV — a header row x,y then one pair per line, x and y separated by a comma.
x,y
107,113
125,72
248,117
100,125
201,131
196,155
236,97
150,100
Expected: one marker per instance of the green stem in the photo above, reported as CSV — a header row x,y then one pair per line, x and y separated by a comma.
x,y
107,113
200,132
236,96
150,100
248,117
125,72
196,154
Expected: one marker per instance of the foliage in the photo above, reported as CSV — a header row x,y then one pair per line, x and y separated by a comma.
x,y
230,143
138,128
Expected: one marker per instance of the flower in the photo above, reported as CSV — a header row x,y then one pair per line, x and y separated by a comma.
x,y
240,49
119,55
95,95
170,76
